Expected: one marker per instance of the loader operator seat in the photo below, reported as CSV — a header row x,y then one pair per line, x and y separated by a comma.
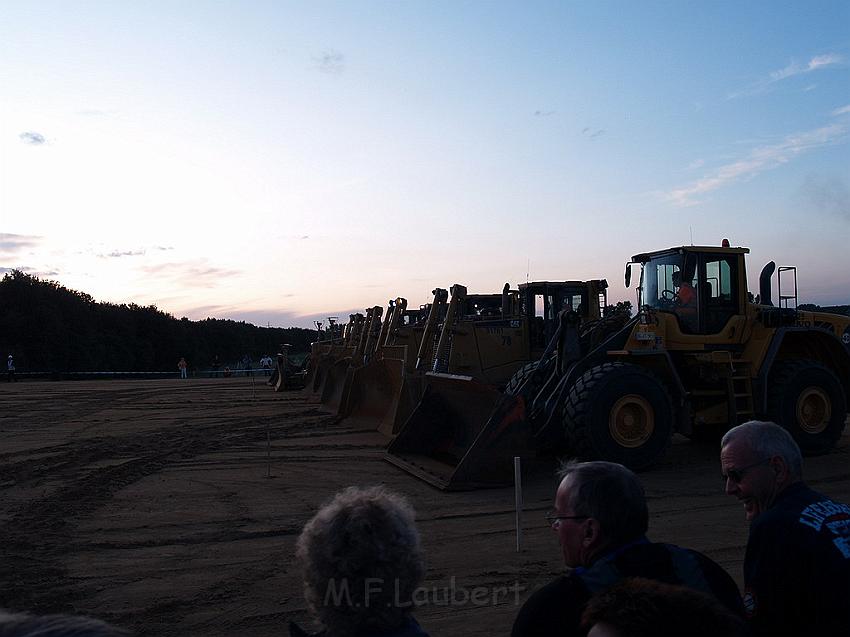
x,y
686,303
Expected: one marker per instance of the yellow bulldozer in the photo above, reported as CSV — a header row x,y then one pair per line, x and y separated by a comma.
x,y
701,355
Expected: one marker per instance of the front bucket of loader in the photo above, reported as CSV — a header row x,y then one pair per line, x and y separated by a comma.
x,y
462,435
319,366
337,383
373,397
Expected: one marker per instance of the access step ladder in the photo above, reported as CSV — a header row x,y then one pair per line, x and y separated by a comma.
x,y
740,388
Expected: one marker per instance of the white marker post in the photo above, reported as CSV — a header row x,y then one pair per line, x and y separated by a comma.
x,y
518,501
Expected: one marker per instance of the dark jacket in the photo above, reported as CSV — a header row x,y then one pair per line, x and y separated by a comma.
x,y
797,566
556,608
410,628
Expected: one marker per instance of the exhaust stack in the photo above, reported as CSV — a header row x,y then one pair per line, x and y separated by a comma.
x,y
764,283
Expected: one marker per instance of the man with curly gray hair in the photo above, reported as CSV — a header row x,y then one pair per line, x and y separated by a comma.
x,y
362,561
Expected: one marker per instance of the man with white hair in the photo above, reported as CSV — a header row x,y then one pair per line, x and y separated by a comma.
x,y
797,562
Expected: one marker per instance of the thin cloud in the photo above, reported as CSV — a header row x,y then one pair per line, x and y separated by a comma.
x,y
191,273
792,70
115,254
330,62
697,163
32,138
134,252
827,195
841,111
817,62
10,243
757,161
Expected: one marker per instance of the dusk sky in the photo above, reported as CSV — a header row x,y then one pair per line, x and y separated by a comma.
x,y
277,162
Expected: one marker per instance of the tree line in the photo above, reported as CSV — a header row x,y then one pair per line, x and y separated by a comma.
x,y
48,327
831,309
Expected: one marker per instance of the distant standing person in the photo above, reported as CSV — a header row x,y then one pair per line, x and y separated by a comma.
x,y
246,364
10,368
181,365
797,561
215,365
266,364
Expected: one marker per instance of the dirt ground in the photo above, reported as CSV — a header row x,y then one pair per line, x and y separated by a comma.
x,y
172,508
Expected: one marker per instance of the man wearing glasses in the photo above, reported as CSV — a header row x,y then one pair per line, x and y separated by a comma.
x,y
601,519
797,561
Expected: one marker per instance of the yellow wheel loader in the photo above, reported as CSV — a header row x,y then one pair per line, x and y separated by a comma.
x,y
484,339
695,361
286,374
481,357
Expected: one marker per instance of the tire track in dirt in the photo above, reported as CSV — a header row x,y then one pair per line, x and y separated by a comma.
x,y
44,525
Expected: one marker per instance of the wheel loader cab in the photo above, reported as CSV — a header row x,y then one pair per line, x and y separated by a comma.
x,y
544,300
702,287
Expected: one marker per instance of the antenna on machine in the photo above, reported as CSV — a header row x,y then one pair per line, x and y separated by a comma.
x,y
691,229
527,269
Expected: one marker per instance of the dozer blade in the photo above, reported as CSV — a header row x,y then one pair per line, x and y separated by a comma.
x,y
316,376
412,388
337,385
316,382
373,397
462,435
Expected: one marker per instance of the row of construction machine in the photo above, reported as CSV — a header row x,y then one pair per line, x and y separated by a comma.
x,y
289,375
481,342
381,390
696,363
347,378
326,351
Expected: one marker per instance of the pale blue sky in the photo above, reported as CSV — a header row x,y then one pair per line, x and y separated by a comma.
x,y
272,161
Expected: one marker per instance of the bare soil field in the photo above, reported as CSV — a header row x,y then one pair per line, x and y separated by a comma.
x,y
172,508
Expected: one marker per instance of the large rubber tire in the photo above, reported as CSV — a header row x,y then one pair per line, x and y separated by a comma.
x,y
807,399
621,413
519,377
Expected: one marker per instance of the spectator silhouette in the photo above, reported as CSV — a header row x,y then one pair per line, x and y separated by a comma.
x,y
361,560
639,607
601,519
797,561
